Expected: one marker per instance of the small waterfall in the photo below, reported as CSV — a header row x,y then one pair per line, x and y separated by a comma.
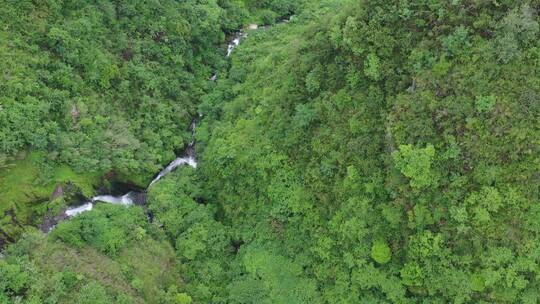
x,y
125,199
77,210
175,164
189,159
235,42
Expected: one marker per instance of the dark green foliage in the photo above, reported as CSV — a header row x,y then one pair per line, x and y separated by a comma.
x,y
108,85
202,244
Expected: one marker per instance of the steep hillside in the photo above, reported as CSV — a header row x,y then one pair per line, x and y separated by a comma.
x,y
387,153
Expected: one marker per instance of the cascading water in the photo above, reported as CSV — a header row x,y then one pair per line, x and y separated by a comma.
x,y
235,42
116,200
175,164
76,210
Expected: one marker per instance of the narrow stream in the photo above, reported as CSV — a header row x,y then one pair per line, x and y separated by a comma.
x,y
187,159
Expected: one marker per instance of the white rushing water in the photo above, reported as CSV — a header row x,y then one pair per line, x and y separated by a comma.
x,y
125,200
77,210
235,42
175,164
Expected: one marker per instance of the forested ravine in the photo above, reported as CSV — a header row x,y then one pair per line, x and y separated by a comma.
x,y
186,157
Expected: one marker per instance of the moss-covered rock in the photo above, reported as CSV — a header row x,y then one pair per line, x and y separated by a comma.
x,y
29,189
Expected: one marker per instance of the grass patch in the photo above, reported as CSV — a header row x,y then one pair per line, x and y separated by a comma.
x,y
26,186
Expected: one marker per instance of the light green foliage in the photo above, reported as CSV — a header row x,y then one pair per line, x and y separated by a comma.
x,y
108,229
416,164
372,67
442,67
411,274
485,103
182,298
425,244
92,293
380,252
478,283
38,270
272,278
27,185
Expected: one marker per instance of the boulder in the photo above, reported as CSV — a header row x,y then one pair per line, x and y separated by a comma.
x,y
58,191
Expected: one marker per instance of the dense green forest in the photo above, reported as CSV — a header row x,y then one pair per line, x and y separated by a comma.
x,y
94,89
364,152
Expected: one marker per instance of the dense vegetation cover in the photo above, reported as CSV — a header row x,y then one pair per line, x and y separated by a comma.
x,y
102,88
365,152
